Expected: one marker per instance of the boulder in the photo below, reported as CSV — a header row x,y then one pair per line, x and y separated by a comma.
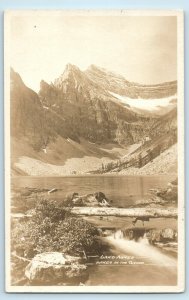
x,y
56,268
154,236
175,182
172,193
93,200
152,202
168,234
164,235
168,194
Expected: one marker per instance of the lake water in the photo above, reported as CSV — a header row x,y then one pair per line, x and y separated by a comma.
x,y
149,266
122,190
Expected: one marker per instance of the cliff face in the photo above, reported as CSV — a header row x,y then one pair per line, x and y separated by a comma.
x,y
163,135
87,109
84,108
79,105
27,114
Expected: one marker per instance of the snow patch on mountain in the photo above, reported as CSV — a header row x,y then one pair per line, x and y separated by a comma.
x,y
147,104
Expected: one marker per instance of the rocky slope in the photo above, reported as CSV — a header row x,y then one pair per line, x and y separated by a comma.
x,y
162,136
165,163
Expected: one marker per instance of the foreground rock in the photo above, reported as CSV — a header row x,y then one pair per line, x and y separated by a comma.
x,y
165,235
95,199
170,193
56,268
152,202
162,236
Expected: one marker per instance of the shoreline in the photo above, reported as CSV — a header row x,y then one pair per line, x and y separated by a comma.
x,y
95,175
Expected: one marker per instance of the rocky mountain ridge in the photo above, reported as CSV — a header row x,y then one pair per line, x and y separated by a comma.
x,y
118,84
79,106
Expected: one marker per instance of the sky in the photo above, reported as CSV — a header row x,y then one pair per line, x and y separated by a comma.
x,y
141,48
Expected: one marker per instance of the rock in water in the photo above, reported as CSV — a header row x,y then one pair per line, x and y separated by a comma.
x,y
164,235
56,268
168,234
170,193
175,182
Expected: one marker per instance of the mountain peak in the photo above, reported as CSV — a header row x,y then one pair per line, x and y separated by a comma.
x,y
45,86
70,67
72,75
69,72
16,78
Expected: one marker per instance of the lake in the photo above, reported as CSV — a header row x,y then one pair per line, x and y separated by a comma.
x,y
122,190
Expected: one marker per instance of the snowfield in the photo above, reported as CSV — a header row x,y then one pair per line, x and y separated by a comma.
x,y
151,105
35,167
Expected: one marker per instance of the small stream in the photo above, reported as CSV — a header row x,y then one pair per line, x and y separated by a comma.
x,y
133,263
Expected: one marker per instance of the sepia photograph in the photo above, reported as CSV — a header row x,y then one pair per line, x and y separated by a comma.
x,y
94,126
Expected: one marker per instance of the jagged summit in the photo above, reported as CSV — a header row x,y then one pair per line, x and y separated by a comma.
x,y
43,84
71,75
71,70
97,78
71,67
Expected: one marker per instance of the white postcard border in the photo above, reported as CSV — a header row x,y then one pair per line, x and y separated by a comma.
x,y
181,187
